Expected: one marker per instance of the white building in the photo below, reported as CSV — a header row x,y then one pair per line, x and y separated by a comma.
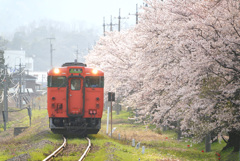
x,y
13,59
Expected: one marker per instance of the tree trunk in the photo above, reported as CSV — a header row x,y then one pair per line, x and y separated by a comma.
x,y
233,141
207,143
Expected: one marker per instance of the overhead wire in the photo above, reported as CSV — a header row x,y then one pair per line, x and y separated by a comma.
x,y
12,82
15,92
21,72
3,79
15,87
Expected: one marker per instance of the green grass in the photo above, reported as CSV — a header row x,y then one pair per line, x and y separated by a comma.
x,y
122,115
40,154
13,122
154,150
229,155
110,149
121,118
169,148
31,138
22,120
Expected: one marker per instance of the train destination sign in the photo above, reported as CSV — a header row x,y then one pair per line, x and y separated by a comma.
x,y
75,70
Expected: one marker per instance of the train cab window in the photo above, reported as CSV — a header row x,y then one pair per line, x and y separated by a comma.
x,y
57,81
94,81
75,84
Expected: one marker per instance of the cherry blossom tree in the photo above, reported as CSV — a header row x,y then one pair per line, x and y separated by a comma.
x,y
179,65
214,35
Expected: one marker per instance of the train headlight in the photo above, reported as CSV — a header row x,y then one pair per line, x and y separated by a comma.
x,y
94,71
56,71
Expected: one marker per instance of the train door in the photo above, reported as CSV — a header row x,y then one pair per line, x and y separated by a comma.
x,y
75,99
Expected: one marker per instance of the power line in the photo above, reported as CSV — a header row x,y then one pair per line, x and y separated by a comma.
x,y
119,20
111,25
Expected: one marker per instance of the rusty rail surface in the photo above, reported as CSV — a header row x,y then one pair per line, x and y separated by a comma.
x,y
56,152
60,149
87,150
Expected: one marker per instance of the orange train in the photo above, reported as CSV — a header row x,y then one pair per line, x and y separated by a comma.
x,y
75,99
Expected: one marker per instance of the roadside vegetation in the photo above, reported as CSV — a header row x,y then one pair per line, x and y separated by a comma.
x,y
159,145
35,142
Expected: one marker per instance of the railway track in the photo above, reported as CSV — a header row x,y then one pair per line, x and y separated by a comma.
x,y
87,150
60,149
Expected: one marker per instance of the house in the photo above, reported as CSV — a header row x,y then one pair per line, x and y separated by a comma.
x,y
41,79
27,81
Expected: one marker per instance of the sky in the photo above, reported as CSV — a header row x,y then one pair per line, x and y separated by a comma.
x,y
15,13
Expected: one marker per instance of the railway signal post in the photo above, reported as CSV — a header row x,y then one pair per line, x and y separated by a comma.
x,y
108,111
111,97
29,114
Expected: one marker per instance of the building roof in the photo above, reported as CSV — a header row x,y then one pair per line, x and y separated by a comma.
x,y
26,77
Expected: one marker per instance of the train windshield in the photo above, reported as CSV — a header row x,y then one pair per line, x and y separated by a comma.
x,y
75,84
57,81
94,81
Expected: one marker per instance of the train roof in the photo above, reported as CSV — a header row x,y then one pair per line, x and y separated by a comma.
x,y
64,68
74,64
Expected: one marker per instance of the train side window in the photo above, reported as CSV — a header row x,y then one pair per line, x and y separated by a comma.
x,y
75,84
57,81
94,81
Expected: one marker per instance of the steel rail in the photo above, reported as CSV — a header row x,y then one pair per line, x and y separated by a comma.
x,y
86,151
56,152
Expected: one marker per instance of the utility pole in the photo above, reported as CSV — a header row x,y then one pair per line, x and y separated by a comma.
x,y
111,24
5,93
136,14
24,82
5,113
51,50
42,80
77,54
1,78
104,26
21,83
119,20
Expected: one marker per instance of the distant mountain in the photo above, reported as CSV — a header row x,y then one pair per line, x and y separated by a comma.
x,y
34,40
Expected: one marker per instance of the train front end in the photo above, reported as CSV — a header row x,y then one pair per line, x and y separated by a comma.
x,y
75,99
